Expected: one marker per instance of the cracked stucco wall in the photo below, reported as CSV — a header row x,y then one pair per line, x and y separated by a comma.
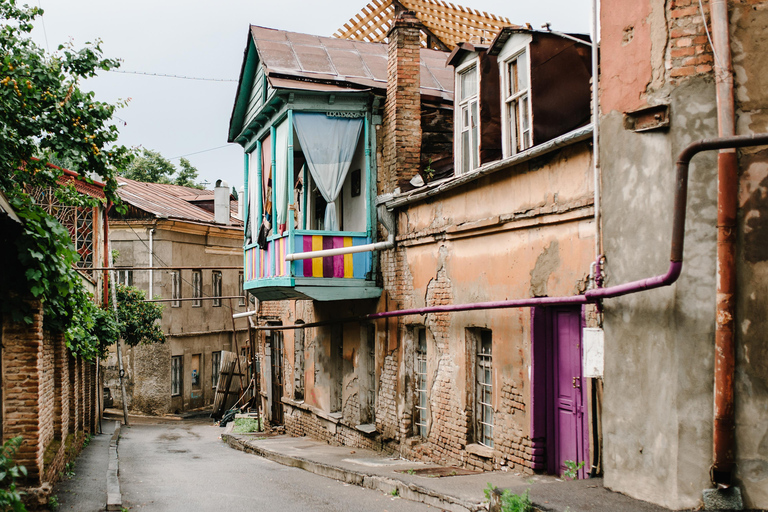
x,y
659,374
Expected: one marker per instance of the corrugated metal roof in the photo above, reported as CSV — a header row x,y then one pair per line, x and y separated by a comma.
x,y
171,201
341,63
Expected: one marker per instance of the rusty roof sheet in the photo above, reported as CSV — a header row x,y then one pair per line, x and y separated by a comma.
x,y
171,201
340,63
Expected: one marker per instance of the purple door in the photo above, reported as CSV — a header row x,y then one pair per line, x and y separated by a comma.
x,y
567,399
559,416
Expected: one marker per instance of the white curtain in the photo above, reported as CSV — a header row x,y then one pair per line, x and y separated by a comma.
x,y
253,195
329,144
280,180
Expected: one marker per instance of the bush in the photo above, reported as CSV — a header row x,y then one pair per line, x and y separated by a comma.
x,y
10,498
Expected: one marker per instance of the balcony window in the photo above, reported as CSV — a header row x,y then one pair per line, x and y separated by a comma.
x,y
518,111
468,118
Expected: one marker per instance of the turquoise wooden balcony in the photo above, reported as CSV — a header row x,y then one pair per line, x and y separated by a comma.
x,y
270,277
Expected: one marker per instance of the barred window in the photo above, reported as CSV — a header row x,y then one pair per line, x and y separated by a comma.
x,y
176,288
177,383
215,368
421,421
484,389
197,288
216,281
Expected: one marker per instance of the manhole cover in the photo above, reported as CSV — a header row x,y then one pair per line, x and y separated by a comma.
x,y
440,472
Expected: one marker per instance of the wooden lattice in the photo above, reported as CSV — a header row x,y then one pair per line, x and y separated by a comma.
x,y
446,24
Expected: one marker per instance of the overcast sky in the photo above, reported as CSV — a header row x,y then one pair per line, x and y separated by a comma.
x,y
200,39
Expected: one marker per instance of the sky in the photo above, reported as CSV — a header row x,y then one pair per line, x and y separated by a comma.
x,y
203,39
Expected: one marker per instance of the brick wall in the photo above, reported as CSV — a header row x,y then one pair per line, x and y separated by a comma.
x,y
299,422
22,368
62,393
689,50
46,410
402,111
75,423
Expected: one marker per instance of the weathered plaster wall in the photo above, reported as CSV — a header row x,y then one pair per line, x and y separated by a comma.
x,y
658,443
750,60
517,233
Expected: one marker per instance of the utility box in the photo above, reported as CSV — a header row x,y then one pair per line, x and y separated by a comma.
x,y
593,352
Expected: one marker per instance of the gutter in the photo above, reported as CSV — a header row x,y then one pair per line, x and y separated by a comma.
x,y
572,137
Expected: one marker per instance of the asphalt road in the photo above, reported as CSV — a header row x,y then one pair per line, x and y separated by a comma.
x,y
184,466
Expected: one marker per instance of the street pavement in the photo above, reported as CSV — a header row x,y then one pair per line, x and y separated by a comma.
x,y
86,489
184,465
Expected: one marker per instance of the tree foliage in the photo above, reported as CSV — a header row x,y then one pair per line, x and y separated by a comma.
x,y
152,167
137,319
46,117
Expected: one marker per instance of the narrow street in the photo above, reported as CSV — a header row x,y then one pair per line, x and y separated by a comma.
x,y
184,465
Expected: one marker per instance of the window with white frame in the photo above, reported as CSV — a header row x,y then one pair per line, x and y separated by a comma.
x,y
197,288
176,375
421,418
175,288
468,119
216,290
125,277
517,104
484,388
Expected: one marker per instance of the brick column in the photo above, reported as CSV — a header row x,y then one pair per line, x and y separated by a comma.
x,y
22,373
74,389
87,384
402,111
47,391
79,396
61,397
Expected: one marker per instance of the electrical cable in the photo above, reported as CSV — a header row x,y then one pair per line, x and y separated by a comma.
x,y
167,75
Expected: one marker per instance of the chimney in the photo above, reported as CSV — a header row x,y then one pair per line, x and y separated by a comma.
x,y
402,111
240,203
221,202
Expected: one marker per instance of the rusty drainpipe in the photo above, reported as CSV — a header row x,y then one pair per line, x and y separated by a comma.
x,y
727,190
105,283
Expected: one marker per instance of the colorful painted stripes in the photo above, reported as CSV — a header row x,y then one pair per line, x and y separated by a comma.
x,y
271,262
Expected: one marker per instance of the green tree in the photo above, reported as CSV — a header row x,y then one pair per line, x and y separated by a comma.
x,y
45,117
152,167
137,319
187,175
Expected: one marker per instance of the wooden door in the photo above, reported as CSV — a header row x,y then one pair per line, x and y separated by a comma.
x,y
277,377
568,431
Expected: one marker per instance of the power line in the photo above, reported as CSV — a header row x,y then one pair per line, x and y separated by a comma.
x,y
165,75
198,152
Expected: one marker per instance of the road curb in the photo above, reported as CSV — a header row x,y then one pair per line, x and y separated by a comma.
x,y
388,485
114,497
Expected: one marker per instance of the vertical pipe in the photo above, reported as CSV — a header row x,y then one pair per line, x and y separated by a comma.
x,y
727,185
595,127
151,254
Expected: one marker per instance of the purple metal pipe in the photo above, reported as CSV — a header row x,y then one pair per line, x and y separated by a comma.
x,y
517,303
676,257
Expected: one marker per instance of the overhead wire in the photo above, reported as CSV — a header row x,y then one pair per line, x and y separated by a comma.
x,y
168,75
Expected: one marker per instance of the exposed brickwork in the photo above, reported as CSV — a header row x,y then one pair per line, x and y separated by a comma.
x,y
299,422
22,371
386,400
47,405
62,391
75,390
402,111
689,52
